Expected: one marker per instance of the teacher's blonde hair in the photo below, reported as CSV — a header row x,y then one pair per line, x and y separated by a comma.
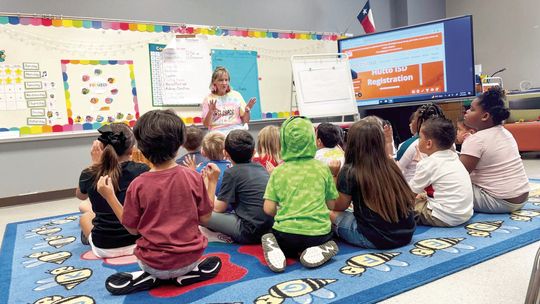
x,y
218,72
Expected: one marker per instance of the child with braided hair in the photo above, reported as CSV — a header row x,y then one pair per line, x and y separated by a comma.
x,y
408,154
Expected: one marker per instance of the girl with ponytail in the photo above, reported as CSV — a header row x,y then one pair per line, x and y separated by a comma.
x,y
111,155
491,155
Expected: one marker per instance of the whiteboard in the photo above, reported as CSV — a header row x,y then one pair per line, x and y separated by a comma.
x,y
323,85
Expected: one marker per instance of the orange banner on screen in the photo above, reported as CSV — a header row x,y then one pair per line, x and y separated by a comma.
x,y
396,46
400,81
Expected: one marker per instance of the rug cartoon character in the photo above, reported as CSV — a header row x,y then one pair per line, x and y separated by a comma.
x,y
79,299
524,215
63,221
38,258
43,230
428,247
357,265
66,276
300,290
56,241
484,229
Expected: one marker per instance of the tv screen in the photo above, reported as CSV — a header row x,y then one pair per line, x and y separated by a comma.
x,y
430,61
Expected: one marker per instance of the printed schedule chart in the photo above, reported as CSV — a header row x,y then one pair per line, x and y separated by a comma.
x,y
156,73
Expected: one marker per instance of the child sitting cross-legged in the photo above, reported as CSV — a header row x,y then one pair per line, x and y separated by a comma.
x,y
111,155
298,196
165,206
491,156
383,216
242,188
448,198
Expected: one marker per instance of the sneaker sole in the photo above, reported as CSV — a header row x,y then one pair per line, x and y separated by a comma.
x,y
121,278
267,248
330,250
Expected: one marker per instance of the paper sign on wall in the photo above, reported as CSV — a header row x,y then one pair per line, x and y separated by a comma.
x,y
186,70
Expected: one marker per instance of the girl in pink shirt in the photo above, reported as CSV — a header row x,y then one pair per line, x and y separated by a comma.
x,y
491,156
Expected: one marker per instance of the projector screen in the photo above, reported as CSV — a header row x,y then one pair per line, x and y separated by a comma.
x,y
430,61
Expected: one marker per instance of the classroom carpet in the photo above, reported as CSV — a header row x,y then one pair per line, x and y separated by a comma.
x,y
43,261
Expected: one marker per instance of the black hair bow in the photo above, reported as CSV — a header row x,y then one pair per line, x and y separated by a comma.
x,y
116,140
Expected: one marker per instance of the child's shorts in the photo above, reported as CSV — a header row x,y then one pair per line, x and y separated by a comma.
x,y
423,215
167,274
110,252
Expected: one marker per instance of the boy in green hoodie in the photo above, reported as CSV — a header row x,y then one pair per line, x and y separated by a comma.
x,y
299,194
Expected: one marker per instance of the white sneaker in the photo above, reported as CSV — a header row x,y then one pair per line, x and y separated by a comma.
x,y
317,255
272,253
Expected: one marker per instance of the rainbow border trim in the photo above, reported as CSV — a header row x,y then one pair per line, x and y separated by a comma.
x,y
268,115
156,28
94,126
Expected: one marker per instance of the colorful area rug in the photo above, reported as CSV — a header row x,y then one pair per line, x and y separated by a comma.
x,y
43,261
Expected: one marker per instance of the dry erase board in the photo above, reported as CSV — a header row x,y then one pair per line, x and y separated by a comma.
x,y
74,74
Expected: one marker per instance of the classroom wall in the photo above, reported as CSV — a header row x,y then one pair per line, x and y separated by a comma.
x,y
420,11
506,35
55,164
300,15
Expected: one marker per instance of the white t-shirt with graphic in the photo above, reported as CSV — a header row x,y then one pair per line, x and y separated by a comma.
x,y
327,154
229,111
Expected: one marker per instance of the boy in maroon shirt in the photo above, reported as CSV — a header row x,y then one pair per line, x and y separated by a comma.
x,y
165,206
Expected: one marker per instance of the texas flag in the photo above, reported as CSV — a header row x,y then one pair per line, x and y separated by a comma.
x,y
366,19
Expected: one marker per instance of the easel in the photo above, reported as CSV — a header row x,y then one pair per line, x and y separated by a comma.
x,y
323,87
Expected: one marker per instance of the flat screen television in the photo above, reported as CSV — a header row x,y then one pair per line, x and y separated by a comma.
x,y
430,61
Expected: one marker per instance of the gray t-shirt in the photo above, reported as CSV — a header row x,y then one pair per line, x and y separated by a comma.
x,y
243,187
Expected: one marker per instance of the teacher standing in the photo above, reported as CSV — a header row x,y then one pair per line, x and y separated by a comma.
x,y
224,109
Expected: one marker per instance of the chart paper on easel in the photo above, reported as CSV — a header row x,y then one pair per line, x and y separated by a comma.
x,y
323,85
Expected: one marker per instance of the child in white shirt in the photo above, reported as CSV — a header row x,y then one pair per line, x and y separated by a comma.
x,y
329,141
448,200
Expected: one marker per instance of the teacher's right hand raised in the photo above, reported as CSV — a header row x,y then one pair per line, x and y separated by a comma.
x,y
212,104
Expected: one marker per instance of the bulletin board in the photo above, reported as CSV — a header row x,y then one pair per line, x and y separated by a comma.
x,y
243,65
74,74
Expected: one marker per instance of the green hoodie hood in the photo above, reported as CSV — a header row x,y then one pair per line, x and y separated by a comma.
x,y
297,138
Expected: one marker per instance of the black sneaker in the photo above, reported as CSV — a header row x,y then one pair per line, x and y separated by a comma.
x,y
84,239
206,270
122,283
317,255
